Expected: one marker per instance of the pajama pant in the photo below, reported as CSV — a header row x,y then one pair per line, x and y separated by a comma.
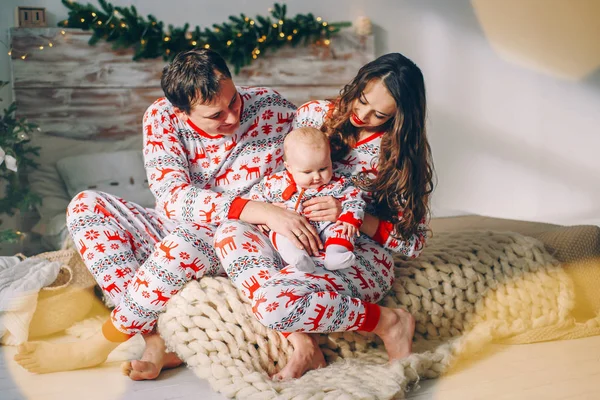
x,y
289,300
139,259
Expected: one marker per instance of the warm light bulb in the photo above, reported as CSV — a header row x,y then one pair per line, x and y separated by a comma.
x,y
50,45
289,37
319,19
229,43
207,46
274,25
194,43
252,22
166,39
327,42
23,57
62,32
82,19
99,22
280,22
281,34
93,14
41,47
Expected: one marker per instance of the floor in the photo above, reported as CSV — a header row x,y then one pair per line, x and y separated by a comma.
x,y
558,370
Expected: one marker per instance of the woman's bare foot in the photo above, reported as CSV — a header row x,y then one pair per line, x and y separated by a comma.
x,y
44,357
307,356
396,328
154,360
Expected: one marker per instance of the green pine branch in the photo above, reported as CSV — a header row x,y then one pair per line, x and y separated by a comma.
x,y
15,134
239,40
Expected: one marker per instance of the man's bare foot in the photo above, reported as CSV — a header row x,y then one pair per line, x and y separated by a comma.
x,y
396,328
307,356
154,360
44,357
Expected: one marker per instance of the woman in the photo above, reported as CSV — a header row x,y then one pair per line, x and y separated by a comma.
x,y
377,133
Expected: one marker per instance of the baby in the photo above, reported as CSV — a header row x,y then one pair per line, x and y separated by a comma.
x,y
308,173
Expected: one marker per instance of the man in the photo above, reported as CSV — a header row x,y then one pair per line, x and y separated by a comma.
x,y
205,143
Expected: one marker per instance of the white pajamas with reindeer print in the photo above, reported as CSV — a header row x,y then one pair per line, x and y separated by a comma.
x,y
142,257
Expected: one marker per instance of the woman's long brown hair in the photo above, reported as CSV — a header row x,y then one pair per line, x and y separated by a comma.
x,y
404,180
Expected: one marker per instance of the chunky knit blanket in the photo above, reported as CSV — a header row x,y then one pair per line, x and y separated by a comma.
x,y
466,290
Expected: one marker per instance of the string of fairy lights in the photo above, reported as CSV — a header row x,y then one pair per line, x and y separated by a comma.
x,y
239,41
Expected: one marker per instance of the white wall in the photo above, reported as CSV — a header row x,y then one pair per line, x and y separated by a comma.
x,y
507,142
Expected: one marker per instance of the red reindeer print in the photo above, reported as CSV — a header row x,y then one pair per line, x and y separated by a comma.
x,y
291,295
221,179
229,146
193,265
99,209
178,187
155,144
357,322
228,241
208,214
82,247
359,275
250,171
168,213
316,321
254,238
284,120
372,170
257,303
160,297
254,124
140,282
110,288
164,172
348,163
116,311
151,234
112,236
133,327
148,130
381,261
166,248
198,155
252,286
306,106
279,160
327,278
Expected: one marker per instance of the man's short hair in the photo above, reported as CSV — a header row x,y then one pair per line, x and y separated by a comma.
x,y
194,77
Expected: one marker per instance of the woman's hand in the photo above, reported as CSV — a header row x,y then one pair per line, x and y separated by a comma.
x,y
295,228
326,208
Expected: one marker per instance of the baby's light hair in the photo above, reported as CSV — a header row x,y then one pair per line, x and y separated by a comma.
x,y
306,135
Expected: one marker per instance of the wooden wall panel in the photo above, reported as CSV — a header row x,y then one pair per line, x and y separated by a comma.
x,y
73,89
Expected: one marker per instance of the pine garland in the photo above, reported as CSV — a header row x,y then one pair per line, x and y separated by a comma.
x,y
16,157
239,41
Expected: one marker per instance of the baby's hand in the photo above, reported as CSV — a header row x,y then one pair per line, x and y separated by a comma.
x,y
347,229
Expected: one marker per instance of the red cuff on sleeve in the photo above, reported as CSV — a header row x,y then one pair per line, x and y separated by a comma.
x,y
349,218
237,206
384,229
